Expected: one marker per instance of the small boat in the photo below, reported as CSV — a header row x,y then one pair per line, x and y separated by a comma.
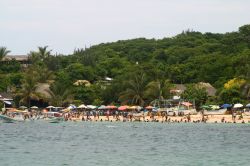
x,y
7,119
53,117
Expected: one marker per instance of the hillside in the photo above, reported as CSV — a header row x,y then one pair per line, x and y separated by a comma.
x,y
189,57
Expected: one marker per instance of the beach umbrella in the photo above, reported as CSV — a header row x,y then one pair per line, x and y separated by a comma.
x,y
134,108
111,107
7,102
34,107
91,107
248,105
187,104
123,108
50,107
214,107
206,107
238,105
71,107
82,106
102,107
23,107
149,107
226,106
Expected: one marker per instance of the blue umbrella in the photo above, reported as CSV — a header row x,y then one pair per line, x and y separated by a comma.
x,y
226,106
248,105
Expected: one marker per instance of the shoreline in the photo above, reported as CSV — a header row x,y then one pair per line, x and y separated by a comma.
x,y
171,119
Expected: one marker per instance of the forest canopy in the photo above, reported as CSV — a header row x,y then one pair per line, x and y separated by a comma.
x,y
138,70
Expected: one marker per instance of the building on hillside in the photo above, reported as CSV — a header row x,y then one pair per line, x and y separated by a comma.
x,y
22,59
211,91
178,89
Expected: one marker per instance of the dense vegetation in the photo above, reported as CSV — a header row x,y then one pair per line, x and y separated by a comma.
x,y
141,70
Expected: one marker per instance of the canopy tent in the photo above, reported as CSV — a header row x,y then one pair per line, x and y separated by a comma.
x,y
34,107
123,108
91,107
49,107
248,105
226,106
238,105
82,106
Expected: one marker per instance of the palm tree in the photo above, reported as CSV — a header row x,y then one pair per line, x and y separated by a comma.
x,y
43,52
134,94
59,95
159,89
28,90
3,52
40,55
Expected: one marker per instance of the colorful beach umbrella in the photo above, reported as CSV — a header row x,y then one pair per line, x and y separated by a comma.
x,y
226,106
71,107
214,107
187,104
149,107
111,107
248,105
23,107
102,107
91,107
123,108
82,106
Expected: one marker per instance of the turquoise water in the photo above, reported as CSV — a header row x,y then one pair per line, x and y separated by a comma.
x,y
139,144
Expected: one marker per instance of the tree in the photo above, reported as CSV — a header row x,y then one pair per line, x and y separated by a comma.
x,y
134,94
3,52
60,94
195,93
159,89
40,56
28,89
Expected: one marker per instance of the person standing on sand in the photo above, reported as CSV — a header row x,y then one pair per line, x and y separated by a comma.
x,y
107,114
189,117
234,116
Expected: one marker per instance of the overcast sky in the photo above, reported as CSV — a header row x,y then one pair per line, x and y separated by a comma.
x,y
68,24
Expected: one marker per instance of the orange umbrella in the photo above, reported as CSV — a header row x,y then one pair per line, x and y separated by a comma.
x,y
123,108
149,107
111,107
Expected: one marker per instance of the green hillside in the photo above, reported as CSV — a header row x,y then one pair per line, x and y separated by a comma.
x,y
141,69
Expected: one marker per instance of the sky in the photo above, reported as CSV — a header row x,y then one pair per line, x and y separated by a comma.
x,y
65,25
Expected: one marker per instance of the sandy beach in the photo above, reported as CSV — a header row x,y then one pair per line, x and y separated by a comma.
x,y
171,119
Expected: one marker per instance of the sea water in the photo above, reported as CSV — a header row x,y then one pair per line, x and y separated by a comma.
x,y
117,143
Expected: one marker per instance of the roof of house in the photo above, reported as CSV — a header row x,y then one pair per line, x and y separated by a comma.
x,y
44,89
5,95
16,57
180,87
211,91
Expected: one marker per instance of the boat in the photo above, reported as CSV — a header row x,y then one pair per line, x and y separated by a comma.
x,y
53,117
7,119
14,115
